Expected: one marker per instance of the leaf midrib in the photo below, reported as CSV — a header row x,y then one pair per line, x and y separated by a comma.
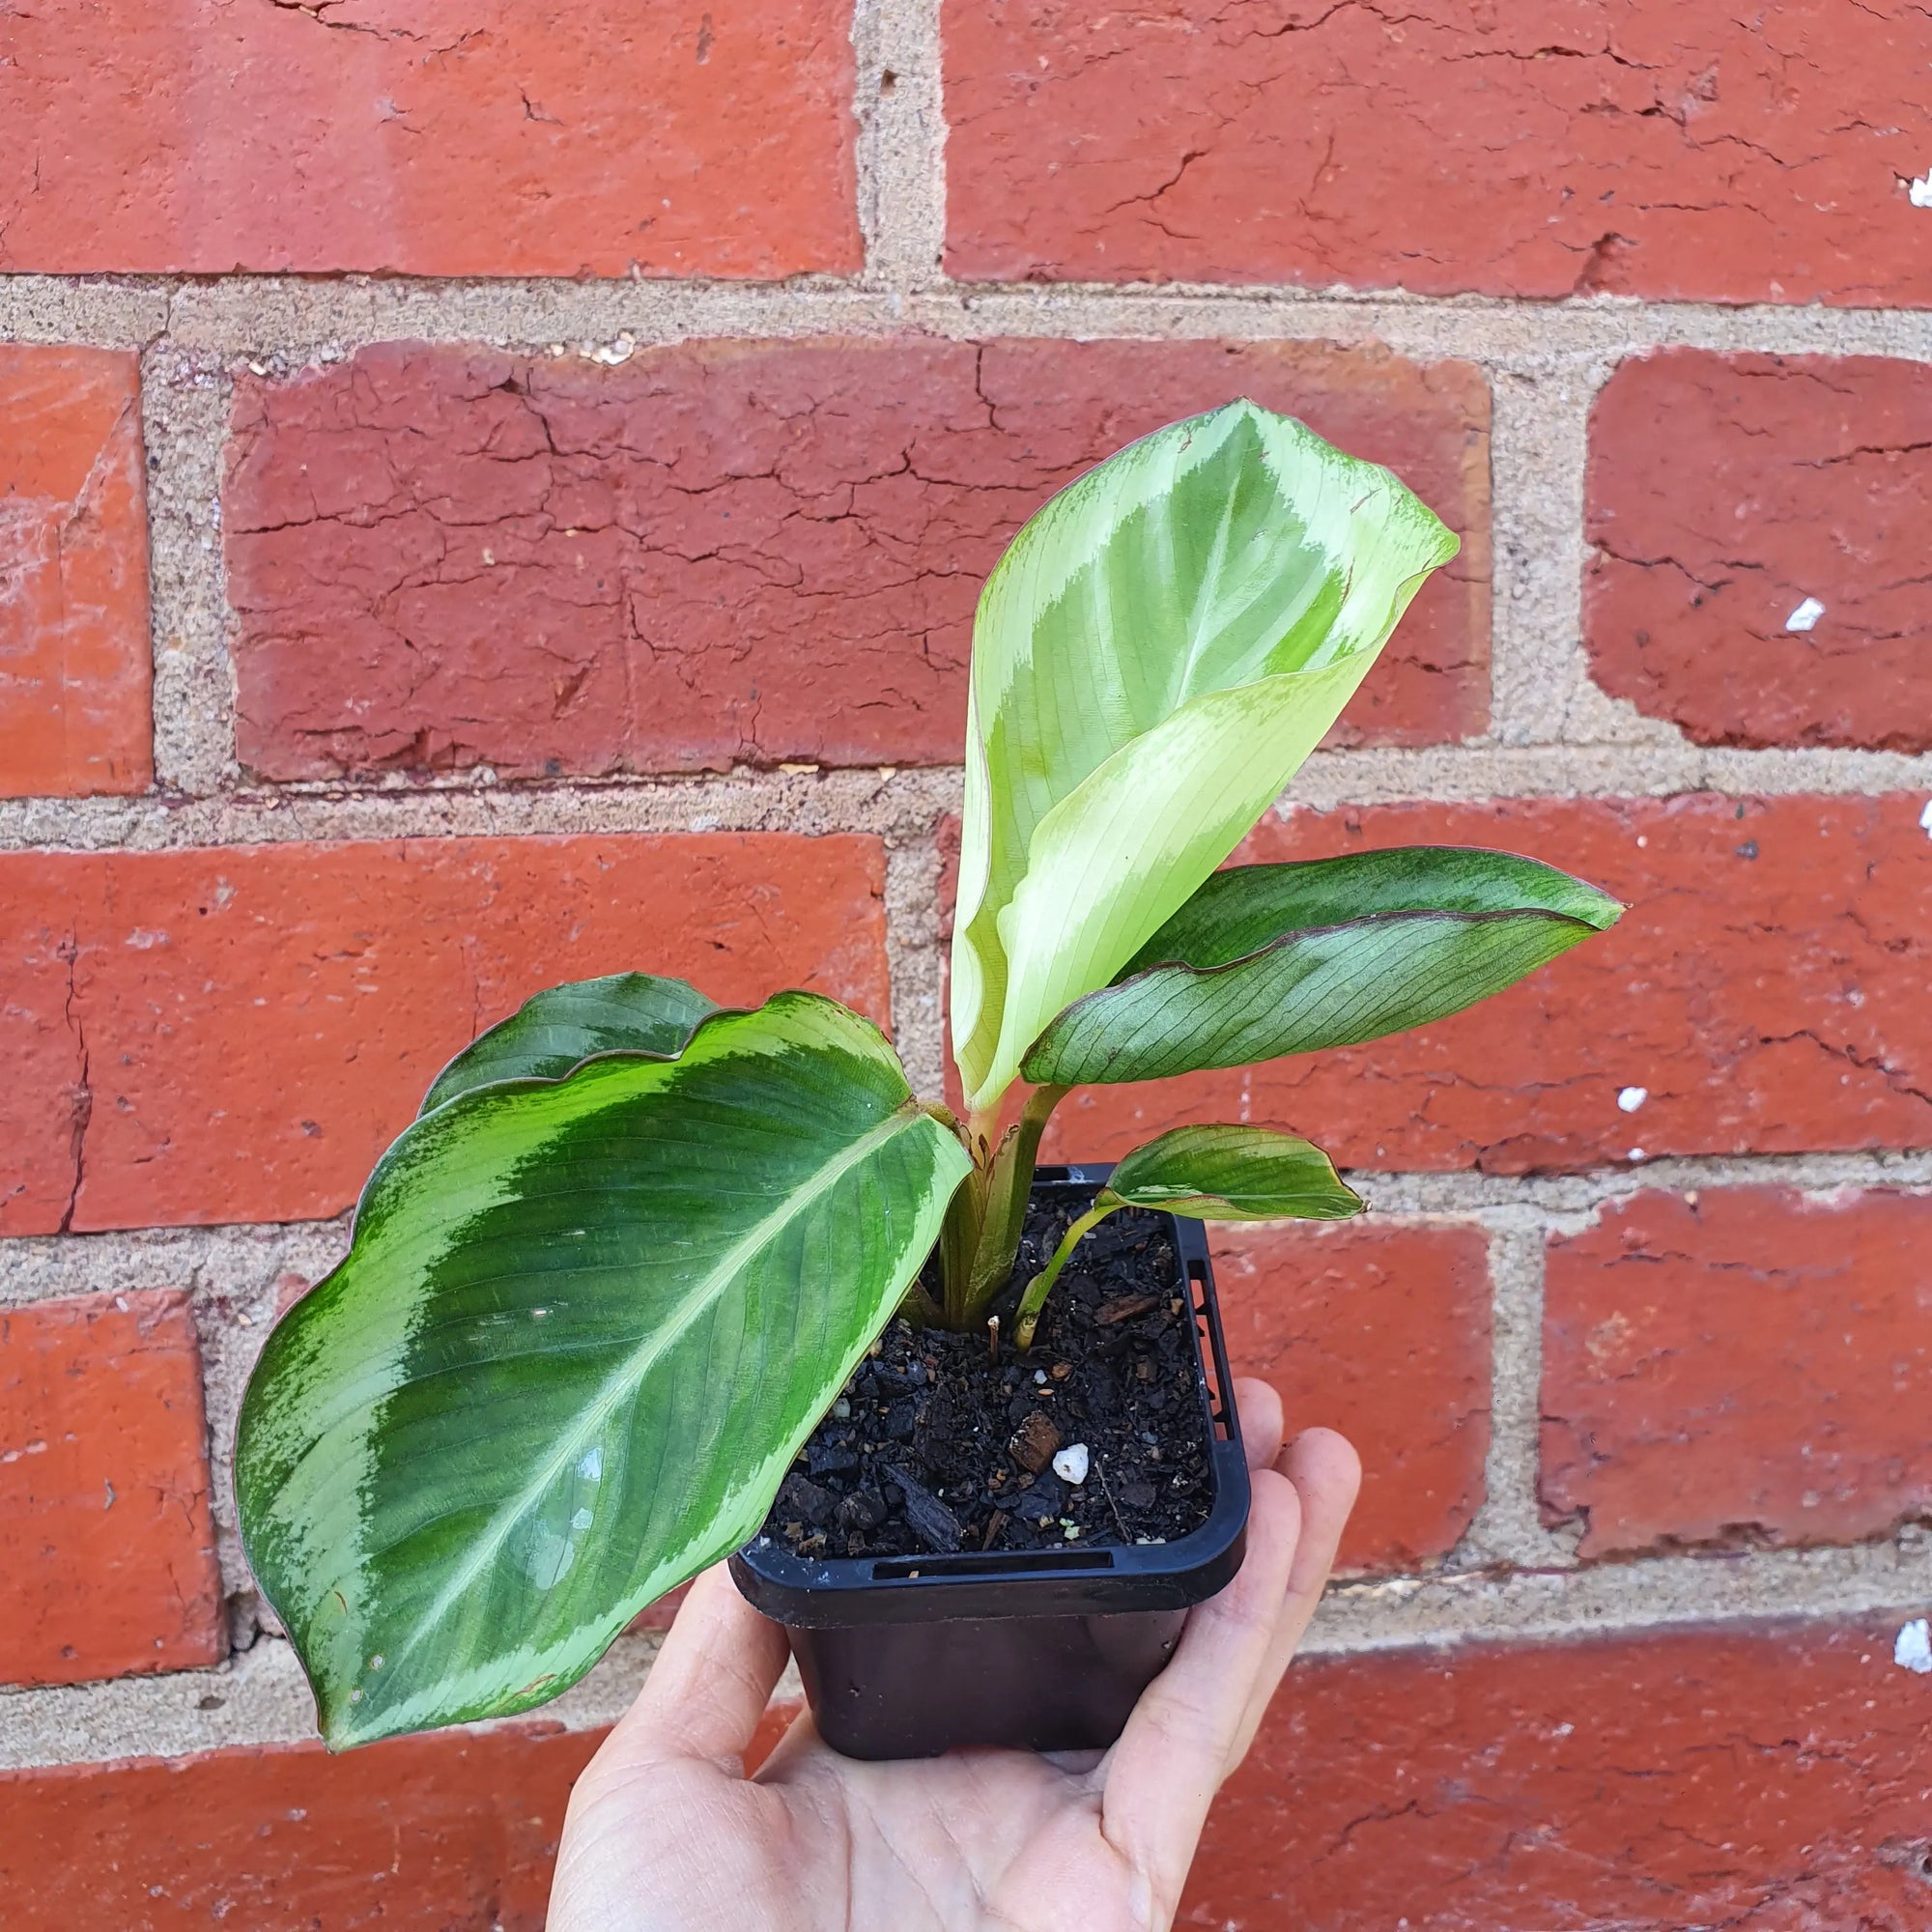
x,y
1448,915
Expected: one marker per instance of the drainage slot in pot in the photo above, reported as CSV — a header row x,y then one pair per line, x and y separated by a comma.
x,y
1207,1320
1012,1563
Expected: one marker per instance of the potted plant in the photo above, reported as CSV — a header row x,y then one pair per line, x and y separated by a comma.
x,y
649,1281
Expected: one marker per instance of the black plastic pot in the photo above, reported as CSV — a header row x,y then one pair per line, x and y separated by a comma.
x,y
1043,1650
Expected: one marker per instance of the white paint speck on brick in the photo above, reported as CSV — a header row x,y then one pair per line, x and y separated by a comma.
x,y
1806,615
1913,1649
1926,818
1920,191
1633,1097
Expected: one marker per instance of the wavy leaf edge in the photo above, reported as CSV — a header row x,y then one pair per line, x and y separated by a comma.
x,y
432,1105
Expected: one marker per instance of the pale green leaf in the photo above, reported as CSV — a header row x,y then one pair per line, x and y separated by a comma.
x,y
1267,960
1233,1174
1161,649
564,1026
583,1329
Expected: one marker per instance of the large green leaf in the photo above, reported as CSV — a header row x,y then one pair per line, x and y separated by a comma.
x,y
1267,960
1157,653
1233,1174
583,1329
564,1026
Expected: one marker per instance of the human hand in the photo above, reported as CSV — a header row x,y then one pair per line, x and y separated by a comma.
x,y
666,1833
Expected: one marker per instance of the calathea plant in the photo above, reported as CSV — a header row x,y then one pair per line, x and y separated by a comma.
x,y
602,1288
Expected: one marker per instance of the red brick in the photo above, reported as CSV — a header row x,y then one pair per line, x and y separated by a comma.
x,y
75,656
236,1034
473,137
44,1105
1666,148
1766,988
1761,1778
1383,1333
1724,492
765,552
1743,1365
456,1831
106,1546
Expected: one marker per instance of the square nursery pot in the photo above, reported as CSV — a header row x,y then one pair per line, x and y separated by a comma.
x,y
1041,1650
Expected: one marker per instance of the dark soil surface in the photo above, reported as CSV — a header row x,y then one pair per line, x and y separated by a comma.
x,y
936,1446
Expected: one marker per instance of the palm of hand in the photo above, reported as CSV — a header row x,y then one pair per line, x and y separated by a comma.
x,y
977,1839
666,1833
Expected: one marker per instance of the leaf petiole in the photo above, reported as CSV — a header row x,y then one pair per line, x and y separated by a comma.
x,y
1042,1285
981,1260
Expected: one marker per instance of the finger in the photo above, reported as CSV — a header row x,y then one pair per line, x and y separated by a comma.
x,y
710,1684
1163,1774
1327,1475
1258,1407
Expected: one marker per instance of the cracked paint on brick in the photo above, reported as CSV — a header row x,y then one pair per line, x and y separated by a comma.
x,y
1760,1777
1747,1368
738,553
1677,149
1760,525
236,1034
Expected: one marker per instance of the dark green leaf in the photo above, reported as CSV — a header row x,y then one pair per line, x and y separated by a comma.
x,y
583,1329
546,1037
1233,1174
1265,960
1240,910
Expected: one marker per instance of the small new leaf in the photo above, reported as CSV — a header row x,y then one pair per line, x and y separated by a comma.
x,y
1233,1174
582,1329
1209,1173
1267,960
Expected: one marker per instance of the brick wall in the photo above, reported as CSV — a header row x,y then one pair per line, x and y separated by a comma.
x,y
378,644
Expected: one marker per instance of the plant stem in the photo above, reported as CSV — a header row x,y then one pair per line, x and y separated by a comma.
x,y
959,1242
1002,1217
919,1307
965,1219
1042,1285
